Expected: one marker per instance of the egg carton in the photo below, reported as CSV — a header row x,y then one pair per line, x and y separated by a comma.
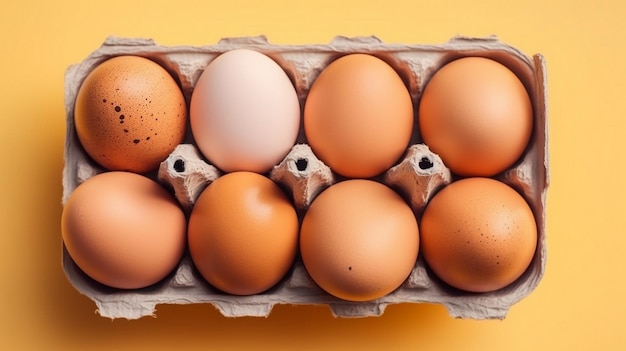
x,y
417,177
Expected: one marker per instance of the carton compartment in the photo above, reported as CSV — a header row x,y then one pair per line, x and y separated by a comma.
x,y
417,176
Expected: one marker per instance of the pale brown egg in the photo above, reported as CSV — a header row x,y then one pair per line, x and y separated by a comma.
x,y
130,114
478,234
359,240
243,233
123,230
476,115
358,116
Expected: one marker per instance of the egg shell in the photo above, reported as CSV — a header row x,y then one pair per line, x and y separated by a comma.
x,y
124,230
478,234
130,114
304,176
243,233
477,115
244,112
359,240
358,116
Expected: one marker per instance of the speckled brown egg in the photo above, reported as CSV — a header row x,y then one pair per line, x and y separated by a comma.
x,y
478,234
130,114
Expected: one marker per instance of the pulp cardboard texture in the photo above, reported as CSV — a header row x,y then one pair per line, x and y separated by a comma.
x,y
417,177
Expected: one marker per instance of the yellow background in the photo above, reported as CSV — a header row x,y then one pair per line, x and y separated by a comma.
x,y
579,304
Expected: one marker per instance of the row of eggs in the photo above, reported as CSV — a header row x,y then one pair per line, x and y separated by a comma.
x,y
358,116
359,240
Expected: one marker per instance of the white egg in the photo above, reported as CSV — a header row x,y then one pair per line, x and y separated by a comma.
x,y
245,112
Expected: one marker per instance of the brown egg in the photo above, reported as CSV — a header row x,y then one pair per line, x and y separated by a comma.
x,y
359,240
124,230
130,114
478,234
358,116
477,115
243,233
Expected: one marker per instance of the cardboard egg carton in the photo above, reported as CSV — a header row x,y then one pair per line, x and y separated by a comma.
x,y
417,177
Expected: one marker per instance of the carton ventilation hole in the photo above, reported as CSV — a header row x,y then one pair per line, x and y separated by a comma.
x,y
301,164
179,165
425,163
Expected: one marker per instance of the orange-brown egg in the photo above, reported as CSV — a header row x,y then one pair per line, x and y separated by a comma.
x,y
130,114
359,240
478,234
477,115
124,230
243,233
358,116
